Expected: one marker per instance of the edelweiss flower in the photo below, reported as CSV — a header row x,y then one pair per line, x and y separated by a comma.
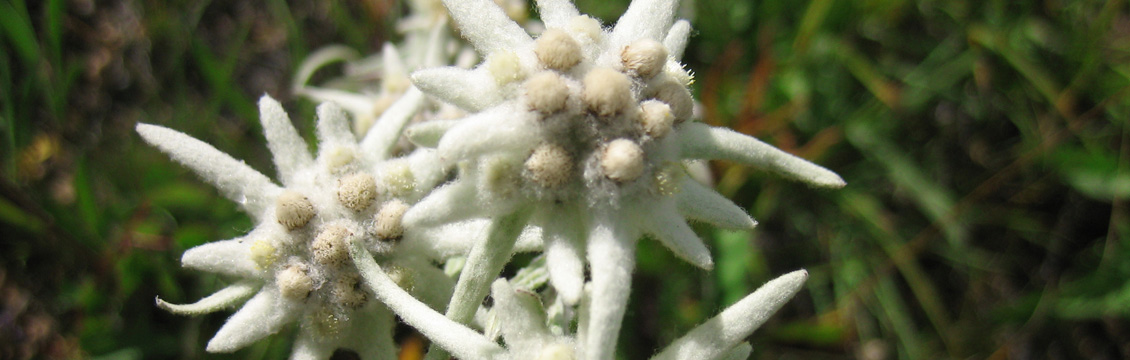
x,y
295,265
583,132
522,318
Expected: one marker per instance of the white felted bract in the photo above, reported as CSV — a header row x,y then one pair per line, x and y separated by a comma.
x,y
472,90
485,25
676,40
227,297
665,224
263,315
712,339
564,251
644,19
287,147
699,141
556,13
229,257
698,202
485,133
611,254
238,182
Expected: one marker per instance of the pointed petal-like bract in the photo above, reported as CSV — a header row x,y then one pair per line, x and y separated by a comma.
x,y
665,224
713,338
697,202
457,338
676,40
382,137
564,253
226,298
643,19
263,315
236,180
556,13
229,257
444,205
287,147
490,131
428,133
701,141
611,254
468,89
333,126
486,26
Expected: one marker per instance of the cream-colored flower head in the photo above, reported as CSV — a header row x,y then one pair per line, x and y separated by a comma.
x,y
294,266
583,131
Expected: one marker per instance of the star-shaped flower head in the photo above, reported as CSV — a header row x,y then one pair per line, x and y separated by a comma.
x,y
528,334
583,131
295,265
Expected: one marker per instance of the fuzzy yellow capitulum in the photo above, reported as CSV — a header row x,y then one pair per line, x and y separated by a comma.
x,y
331,246
262,253
294,282
357,191
388,225
505,67
622,160
644,58
656,118
293,210
557,50
675,95
607,92
398,179
549,166
546,92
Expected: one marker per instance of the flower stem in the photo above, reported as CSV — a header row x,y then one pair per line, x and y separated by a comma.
x,y
485,261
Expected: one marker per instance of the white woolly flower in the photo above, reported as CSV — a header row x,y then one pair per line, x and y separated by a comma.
x,y
582,132
294,266
527,333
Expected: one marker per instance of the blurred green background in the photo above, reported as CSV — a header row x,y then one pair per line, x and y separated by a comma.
x,y
985,145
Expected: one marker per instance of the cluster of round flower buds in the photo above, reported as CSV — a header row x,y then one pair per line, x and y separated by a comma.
x,y
316,239
630,102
